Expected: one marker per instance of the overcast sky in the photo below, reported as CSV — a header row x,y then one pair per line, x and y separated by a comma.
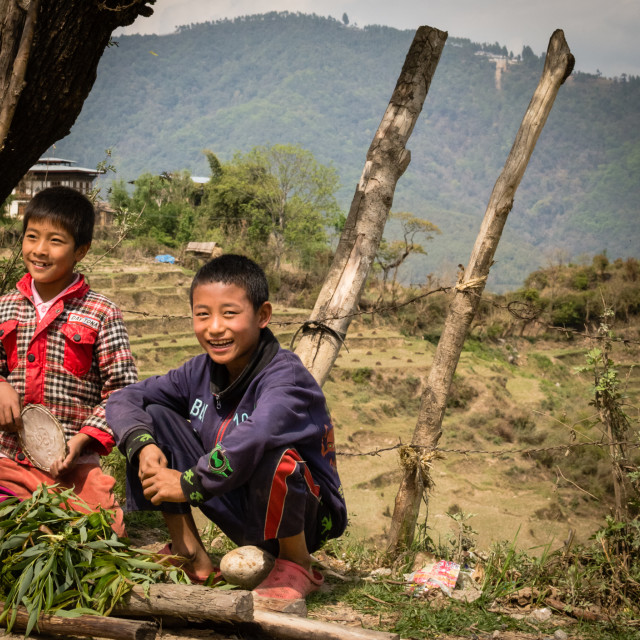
x,y
602,34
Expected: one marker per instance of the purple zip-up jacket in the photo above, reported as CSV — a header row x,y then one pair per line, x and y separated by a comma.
x,y
275,403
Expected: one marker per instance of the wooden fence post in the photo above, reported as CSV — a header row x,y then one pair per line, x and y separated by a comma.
x,y
387,160
416,458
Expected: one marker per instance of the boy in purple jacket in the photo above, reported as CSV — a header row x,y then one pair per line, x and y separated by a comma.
x,y
241,431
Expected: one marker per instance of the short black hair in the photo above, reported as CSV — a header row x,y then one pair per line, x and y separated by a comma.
x,y
241,271
64,207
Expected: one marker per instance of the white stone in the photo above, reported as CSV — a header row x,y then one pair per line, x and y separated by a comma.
x,y
540,615
247,566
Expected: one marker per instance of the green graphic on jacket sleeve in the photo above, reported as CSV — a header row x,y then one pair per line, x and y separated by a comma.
x,y
218,462
195,496
326,524
145,437
188,476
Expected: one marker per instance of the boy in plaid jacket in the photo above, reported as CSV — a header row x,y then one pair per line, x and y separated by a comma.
x,y
63,346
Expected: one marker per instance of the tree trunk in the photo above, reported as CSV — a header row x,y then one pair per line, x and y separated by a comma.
x,y
417,457
49,53
387,160
617,455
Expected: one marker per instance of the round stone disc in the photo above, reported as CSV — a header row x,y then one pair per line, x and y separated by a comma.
x,y
41,437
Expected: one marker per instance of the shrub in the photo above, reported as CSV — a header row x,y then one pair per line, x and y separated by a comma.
x,y
362,375
494,330
581,280
537,280
460,393
504,431
525,429
542,362
569,311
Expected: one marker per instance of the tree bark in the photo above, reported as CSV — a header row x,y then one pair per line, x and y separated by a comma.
x,y
386,161
89,625
417,458
49,53
188,601
16,82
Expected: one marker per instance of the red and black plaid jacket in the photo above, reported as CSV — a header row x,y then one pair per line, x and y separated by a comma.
x,y
70,362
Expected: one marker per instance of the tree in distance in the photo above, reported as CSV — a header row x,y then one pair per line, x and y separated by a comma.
x,y
392,254
166,205
276,196
274,203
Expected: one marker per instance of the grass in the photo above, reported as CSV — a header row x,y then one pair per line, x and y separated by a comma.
x,y
608,588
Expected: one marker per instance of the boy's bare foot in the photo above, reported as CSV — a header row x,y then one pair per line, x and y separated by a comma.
x,y
197,572
186,542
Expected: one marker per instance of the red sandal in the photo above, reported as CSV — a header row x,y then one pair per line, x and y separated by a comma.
x,y
289,581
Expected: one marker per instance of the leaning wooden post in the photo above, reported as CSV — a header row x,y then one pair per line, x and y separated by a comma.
x,y
387,160
416,458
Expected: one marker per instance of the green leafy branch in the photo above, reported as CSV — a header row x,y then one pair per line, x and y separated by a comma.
x,y
56,559
609,400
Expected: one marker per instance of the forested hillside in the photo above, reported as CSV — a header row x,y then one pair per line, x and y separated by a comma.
x,y
159,101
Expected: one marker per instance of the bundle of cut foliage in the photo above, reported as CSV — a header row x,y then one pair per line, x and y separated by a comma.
x,y
56,559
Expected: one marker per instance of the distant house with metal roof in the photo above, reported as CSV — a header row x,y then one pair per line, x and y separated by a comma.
x,y
50,172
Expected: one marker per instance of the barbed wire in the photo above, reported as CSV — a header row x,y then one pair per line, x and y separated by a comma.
x,y
494,452
532,313
523,311
284,323
159,316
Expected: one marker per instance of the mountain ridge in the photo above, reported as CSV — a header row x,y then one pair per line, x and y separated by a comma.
x,y
293,78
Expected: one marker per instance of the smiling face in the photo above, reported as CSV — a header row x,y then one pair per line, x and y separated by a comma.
x,y
49,254
226,324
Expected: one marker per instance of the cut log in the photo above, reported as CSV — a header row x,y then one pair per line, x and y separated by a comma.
x,y
95,626
574,612
386,161
286,627
188,601
558,65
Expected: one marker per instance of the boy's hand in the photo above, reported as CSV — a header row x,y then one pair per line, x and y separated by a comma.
x,y
150,457
10,407
162,485
76,446
159,483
